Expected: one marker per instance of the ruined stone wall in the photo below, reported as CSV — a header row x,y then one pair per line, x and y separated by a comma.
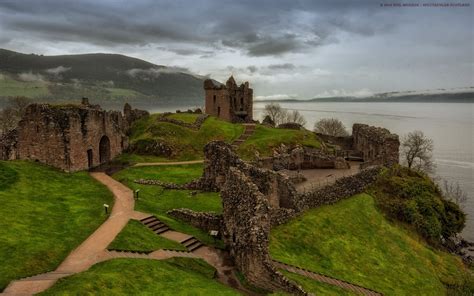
x,y
8,145
376,143
229,102
343,188
246,233
301,158
219,157
345,143
73,137
206,221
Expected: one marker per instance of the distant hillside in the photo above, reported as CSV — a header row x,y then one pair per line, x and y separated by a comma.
x,y
459,95
104,78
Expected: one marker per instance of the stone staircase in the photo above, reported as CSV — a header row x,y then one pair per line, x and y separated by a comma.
x,y
249,129
191,244
154,224
326,279
158,227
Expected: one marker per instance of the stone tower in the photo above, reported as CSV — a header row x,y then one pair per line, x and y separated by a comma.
x,y
229,102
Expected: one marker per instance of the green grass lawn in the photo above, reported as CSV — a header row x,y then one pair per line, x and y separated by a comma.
x,y
176,276
184,117
353,241
264,139
44,215
187,144
130,158
137,237
156,200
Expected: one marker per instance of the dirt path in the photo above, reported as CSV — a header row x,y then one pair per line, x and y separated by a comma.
x,y
168,163
91,250
94,249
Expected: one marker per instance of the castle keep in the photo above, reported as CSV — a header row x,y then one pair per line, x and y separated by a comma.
x,y
229,102
70,137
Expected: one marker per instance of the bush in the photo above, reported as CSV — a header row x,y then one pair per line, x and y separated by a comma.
x,y
413,198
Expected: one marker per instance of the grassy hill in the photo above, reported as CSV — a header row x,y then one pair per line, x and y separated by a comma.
x,y
44,214
188,144
352,240
109,78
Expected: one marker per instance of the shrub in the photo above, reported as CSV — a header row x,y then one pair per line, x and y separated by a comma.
x,y
413,198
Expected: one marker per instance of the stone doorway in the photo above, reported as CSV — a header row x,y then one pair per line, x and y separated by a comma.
x,y
90,158
104,149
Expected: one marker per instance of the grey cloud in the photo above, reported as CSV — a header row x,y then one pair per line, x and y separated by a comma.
x,y
262,28
286,66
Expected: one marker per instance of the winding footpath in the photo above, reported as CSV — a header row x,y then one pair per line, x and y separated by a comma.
x,y
94,249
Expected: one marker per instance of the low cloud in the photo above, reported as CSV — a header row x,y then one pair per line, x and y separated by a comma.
x,y
30,77
153,73
58,70
364,92
277,97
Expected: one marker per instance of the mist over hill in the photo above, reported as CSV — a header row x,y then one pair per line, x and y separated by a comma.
x,y
108,79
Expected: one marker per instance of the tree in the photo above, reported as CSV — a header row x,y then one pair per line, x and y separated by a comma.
x,y
275,112
331,126
417,152
453,192
295,117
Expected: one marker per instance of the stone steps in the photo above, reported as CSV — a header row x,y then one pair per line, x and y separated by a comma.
x,y
127,254
326,279
191,244
154,224
249,129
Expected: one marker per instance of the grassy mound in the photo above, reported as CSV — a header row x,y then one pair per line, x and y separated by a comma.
x,y
177,276
184,117
44,215
264,139
156,200
413,198
186,144
353,241
136,237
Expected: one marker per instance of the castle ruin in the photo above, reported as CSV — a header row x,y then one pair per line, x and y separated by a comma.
x,y
69,137
229,102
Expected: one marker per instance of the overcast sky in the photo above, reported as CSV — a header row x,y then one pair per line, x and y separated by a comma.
x,y
288,48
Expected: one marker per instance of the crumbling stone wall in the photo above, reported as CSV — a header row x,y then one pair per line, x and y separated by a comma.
x,y
246,233
255,200
8,145
229,102
71,137
206,221
219,157
131,115
301,158
343,188
376,143
372,144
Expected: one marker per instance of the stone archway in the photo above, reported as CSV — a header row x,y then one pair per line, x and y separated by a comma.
x,y
104,149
